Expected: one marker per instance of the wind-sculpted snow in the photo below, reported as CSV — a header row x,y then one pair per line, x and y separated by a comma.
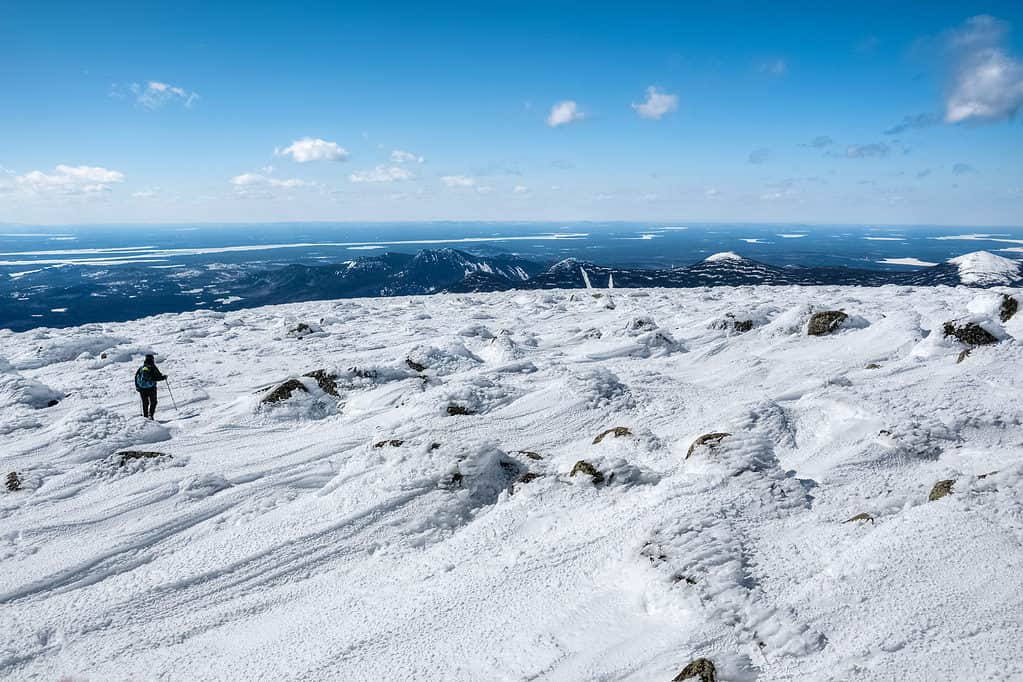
x,y
522,485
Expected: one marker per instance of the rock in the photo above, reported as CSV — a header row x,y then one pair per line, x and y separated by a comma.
x,y
458,409
864,516
642,324
617,432
284,391
678,578
963,355
701,668
990,473
872,365
326,381
414,366
584,467
433,446
52,403
527,477
300,330
969,333
730,322
394,443
711,440
360,373
102,356
1009,307
13,481
129,455
825,322
530,454
940,489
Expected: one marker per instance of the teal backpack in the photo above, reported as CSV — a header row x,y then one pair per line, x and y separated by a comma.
x,y
143,378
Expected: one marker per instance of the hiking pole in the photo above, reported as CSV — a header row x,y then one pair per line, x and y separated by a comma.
x,y
171,393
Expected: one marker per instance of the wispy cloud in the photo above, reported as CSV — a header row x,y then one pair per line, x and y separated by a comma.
x,y
400,156
963,169
313,149
657,104
773,67
987,81
863,151
154,95
256,185
924,120
458,181
69,180
563,113
758,156
382,173
821,141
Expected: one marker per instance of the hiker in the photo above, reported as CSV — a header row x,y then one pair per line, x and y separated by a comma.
x,y
145,383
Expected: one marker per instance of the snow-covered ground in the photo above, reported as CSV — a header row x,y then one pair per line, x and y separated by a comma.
x,y
376,536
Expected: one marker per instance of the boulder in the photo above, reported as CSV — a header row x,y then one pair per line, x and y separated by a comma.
x,y
326,381
963,355
584,467
711,440
129,455
454,409
530,454
414,366
872,365
1009,307
941,489
702,669
970,333
825,322
13,481
863,516
617,432
527,477
284,391
393,443
300,330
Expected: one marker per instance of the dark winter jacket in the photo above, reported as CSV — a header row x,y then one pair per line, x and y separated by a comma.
x,y
146,377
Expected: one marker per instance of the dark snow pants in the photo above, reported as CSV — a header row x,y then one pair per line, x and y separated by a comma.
x,y
148,401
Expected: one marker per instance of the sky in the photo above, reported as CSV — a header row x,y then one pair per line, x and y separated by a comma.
x,y
835,112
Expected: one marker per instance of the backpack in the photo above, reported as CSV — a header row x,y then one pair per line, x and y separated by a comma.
x,y
143,378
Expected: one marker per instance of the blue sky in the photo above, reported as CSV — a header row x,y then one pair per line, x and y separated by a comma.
x,y
803,112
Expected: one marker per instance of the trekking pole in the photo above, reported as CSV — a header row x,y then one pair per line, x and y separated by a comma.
x,y
169,391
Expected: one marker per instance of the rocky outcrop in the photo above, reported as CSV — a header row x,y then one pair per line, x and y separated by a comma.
x,y
414,366
325,380
392,443
129,455
584,467
711,440
941,489
454,409
825,322
701,669
1008,308
617,432
863,516
284,391
970,333
13,481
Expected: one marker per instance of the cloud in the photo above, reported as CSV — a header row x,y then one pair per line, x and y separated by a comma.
x,y
563,164
263,186
924,120
963,169
821,141
563,113
759,155
400,156
146,193
924,173
657,104
69,180
313,149
458,181
987,81
521,189
865,151
773,67
154,94
382,173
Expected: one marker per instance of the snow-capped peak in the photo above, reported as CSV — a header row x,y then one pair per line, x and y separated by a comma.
x,y
724,255
985,268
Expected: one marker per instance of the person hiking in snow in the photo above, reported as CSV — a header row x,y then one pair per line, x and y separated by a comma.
x,y
145,383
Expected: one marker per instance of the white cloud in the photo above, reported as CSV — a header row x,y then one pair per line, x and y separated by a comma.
x,y
400,156
313,149
154,94
458,181
69,180
987,85
146,193
563,113
254,185
521,190
657,104
382,173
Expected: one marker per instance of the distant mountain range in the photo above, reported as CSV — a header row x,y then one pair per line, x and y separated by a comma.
x,y
73,295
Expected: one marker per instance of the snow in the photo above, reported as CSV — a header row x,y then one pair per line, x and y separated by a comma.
x,y
982,267
907,261
724,255
377,535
